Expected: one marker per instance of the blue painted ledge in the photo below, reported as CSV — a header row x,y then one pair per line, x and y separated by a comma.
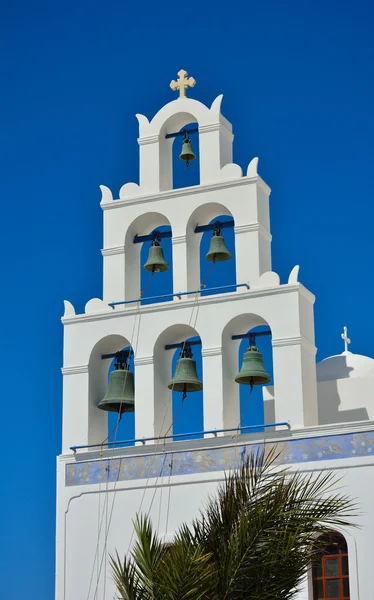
x,y
188,462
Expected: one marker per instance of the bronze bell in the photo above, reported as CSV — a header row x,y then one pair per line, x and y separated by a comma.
x,y
156,262
187,153
120,395
217,249
185,378
252,371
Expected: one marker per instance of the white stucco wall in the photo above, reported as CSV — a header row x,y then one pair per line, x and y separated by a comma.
x,y
81,508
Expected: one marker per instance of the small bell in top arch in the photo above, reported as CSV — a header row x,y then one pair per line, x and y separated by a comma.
x,y
156,262
217,249
187,153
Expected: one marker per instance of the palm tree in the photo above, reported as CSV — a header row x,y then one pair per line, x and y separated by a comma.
x,y
254,540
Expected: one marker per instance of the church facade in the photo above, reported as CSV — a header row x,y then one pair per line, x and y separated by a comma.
x,y
320,416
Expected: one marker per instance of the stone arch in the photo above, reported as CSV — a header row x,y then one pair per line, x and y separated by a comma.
x,y
142,225
230,348
162,360
156,151
174,124
98,379
201,216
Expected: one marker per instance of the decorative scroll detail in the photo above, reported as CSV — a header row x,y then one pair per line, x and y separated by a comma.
x,y
69,309
252,167
130,468
106,195
95,305
268,279
294,275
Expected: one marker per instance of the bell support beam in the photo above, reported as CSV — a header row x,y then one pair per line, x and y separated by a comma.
x,y
182,344
122,355
180,133
214,226
250,335
155,235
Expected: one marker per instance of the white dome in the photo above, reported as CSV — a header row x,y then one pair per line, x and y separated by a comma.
x,y
345,365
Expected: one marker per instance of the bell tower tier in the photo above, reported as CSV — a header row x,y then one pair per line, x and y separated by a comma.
x,y
120,320
222,191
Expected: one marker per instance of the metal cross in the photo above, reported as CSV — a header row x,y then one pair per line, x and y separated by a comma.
x,y
182,83
346,339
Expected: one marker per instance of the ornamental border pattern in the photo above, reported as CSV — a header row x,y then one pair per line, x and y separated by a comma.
x,y
191,462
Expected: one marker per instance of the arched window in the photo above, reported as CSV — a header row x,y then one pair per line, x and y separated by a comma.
x,y
223,273
188,414
159,283
182,176
252,401
330,571
125,428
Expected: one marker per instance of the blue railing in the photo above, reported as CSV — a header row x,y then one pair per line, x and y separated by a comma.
x,y
179,294
180,435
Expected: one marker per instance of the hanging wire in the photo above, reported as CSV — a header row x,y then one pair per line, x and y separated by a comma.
x,y
157,441
169,493
160,436
115,430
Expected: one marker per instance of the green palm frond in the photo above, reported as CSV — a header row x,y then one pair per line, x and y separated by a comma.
x,y
254,539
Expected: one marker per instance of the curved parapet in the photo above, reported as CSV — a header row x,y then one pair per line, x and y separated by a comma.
x,y
294,275
129,190
143,124
229,171
252,167
69,310
95,305
266,280
106,195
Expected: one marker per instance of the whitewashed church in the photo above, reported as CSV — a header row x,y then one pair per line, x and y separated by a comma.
x,y
321,416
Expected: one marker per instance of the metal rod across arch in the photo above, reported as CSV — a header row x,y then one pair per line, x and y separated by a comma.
x,y
214,226
251,335
139,239
183,132
182,344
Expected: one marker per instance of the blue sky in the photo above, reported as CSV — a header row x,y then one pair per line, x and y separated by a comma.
x,y
297,80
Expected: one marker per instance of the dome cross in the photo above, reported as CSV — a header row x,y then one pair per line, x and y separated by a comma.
x,y
346,339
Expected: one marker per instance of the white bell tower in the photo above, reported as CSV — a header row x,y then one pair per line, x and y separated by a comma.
x,y
118,320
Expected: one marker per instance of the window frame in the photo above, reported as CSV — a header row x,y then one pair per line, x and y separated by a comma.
x,y
337,540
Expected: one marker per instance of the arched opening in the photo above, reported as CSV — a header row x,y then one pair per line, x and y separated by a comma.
x,y
186,173
173,171
125,428
188,414
157,283
241,404
101,364
252,401
218,273
173,414
137,249
199,269
330,571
